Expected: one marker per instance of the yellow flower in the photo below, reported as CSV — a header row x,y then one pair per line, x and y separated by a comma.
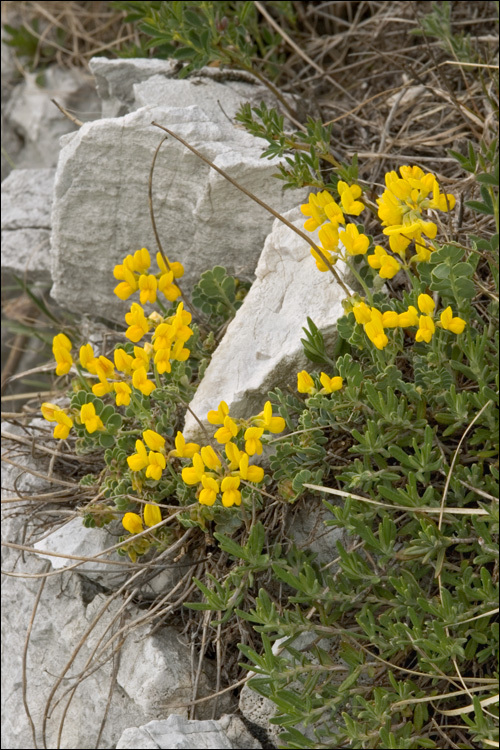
x,y
210,458
141,382
426,304
375,332
388,265
266,420
148,286
208,495
227,432
426,329
408,318
250,473
139,460
305,383
252,441
87,358
176,268
61,348
362,313
102,387
334,214
348,196
123,361
123,392
162,360
153,440
331,384
329,237
448,322
90,419
132,523
104,368
354,242
320,261
179,352
218,417
233,454
390,319
152,514
230,493
138,325
167,287
142,357
141,260
64,425
129,284
53,413
193,474
183,449
315,208
156,464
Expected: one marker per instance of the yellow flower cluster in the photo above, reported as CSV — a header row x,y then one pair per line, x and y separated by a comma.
x,y
155,461
402,205
323,208
133,277
87,417
213,475
375,322
305,383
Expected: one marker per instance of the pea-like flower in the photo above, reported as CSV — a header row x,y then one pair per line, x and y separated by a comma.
x,y
305,383
426,304
362,313
230,492
153,440
426,329
218,417
374,329
331,384
315,208
88,359
408,318
139,460
138,324
226,433
252,440
183,449
90,419
122,391
208,494
61,348
348,198
141,382
53,413
156,464
449,323
386,265
123,361
269,422
152,514
148,286
354,242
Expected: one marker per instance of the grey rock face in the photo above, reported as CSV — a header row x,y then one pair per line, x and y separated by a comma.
x,y
176,733
148,675
26,211
262,346
30,117
101,209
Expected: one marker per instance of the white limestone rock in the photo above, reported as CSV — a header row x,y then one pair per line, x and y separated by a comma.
x,y
261,347
154,671
33,117
176,733
115,80
26,219
101,209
